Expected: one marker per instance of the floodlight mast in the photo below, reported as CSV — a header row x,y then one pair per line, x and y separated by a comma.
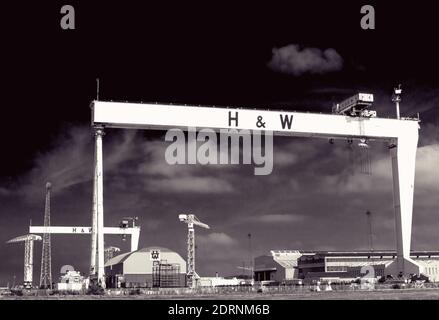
x,y
401,134
397,99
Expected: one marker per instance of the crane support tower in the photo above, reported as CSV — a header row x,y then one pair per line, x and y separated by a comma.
x,y
28,256
97,256
191,221
46,253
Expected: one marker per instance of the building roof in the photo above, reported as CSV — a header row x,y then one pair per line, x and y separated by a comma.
x,y
286,258
354,253
373,253
122,257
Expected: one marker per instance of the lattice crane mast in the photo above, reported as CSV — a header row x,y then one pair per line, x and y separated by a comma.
x,y
46,252
191,221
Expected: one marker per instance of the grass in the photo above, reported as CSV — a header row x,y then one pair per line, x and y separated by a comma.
x,y
388,294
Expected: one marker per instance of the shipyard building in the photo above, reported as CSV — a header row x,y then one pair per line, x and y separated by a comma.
x,y
283,266
151,267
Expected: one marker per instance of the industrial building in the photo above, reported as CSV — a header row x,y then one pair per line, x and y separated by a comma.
x,y
151,267
71,281
279,266
289,265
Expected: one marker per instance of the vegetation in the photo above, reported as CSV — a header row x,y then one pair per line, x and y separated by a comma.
x,y
95,289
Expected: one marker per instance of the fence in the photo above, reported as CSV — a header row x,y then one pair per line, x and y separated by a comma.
x,y
280,289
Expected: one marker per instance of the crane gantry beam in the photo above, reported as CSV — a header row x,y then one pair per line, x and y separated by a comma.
x,y
134,232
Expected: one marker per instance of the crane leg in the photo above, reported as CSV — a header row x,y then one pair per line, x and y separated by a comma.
x,y
98,210
403,169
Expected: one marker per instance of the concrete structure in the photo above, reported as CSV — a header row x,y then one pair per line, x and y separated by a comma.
x,y
279,266
400,134
284,265
146,268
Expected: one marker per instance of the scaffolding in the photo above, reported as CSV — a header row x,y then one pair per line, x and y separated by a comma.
x,y
165,275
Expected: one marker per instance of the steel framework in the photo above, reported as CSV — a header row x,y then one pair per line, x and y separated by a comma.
x,y
46,253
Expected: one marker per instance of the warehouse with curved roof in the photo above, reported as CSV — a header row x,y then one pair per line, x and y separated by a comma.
x,y
150,267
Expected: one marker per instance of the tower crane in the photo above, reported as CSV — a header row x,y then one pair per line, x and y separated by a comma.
x,y
28,240
191,220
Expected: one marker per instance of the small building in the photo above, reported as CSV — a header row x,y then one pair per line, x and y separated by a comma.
x,y
152,267
71,281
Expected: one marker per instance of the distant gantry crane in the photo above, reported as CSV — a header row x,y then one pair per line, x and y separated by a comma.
x,y
191,220
28,256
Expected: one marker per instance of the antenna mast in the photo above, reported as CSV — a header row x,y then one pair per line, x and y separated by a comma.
x,y
97,89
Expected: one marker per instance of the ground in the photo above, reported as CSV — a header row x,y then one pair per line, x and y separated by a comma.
x,y
390,294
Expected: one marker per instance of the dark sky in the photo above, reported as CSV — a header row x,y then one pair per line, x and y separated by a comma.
x,y
213,54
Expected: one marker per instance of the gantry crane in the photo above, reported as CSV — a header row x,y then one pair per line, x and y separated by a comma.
x,y
191,220
351,120
28,240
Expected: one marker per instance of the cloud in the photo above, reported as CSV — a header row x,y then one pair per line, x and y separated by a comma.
x,y
217,239
294,60
427,172
69,162
4,192
426,177
284,158
278,218
179,178
66,164
190,184
219,252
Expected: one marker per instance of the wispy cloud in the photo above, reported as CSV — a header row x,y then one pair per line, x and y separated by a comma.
x,y
278,218
296,60
190,184
217,239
